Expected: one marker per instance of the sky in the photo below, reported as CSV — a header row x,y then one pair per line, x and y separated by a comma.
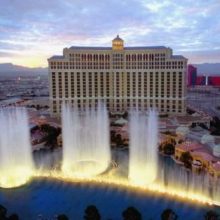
x,y
32,31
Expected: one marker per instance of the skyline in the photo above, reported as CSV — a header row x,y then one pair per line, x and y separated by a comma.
x,y
31,33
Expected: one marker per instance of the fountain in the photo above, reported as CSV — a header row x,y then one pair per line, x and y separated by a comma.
x,y
86,147
86,154
143,148
16,164
181,179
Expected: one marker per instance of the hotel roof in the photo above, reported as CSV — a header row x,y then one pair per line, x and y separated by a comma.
x,y
56,57
125,48
189,146
110,48
178,57
206,156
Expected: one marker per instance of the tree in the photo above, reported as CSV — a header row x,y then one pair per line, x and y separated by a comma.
x,y
118,139
215,125
38,107
52,134
131,213
92,213
13,217
169,148
35,128
187,159
125,115
62,217
168,214
211,215
3,212
112,135
173,141
180,141
190,111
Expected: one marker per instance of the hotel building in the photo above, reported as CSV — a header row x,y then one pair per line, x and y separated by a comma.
x,y
123,77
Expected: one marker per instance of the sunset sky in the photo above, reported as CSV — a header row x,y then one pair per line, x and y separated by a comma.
x,y
32,31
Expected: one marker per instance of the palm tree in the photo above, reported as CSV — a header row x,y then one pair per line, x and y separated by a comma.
x,y
168,214
131,213
92,213
51,135
169,148
13,217
187,159
211,215
62,217
3,212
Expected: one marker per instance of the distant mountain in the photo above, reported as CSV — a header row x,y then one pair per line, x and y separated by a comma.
x,y
9,69
208,68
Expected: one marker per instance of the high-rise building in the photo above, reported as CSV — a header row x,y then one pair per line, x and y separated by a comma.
x,y
214,80
201,80
192,75
123,77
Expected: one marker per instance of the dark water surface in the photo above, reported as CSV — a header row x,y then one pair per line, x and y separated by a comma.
x,y
50,197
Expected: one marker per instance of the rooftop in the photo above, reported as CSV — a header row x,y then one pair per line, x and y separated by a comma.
x,y
125,48
216,166
178,57
189,146
206,156
56,57
117,38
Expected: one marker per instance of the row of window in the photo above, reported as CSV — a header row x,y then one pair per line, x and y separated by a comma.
x,y
135,84
117,64
128,74
126,105
120,56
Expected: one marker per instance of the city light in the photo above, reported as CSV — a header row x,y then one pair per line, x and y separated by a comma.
x,y
15,177
112,181
21,176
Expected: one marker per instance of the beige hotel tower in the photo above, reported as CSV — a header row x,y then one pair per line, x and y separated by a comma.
x,y
122,77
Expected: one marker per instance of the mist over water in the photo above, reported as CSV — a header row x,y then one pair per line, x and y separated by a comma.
x,y
16,163
143,150
86,146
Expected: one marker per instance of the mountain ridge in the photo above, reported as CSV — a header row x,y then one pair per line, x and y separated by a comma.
x,y
9,69
208,68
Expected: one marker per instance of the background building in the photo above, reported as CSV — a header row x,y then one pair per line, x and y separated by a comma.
x,y
201,80
192,75
195,79
123,77
214,80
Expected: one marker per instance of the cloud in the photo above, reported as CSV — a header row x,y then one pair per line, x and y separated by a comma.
x,y
205,56
7,54
43,28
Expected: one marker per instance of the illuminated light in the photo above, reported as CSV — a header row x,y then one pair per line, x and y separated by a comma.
x,y
84,168
86,147
139,178
15,177
16,162
119,182
19,176
143,155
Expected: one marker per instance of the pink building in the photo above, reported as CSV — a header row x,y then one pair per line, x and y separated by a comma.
x,y
192,75
214,80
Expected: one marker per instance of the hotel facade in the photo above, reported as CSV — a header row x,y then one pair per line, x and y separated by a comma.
x,y
124,78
